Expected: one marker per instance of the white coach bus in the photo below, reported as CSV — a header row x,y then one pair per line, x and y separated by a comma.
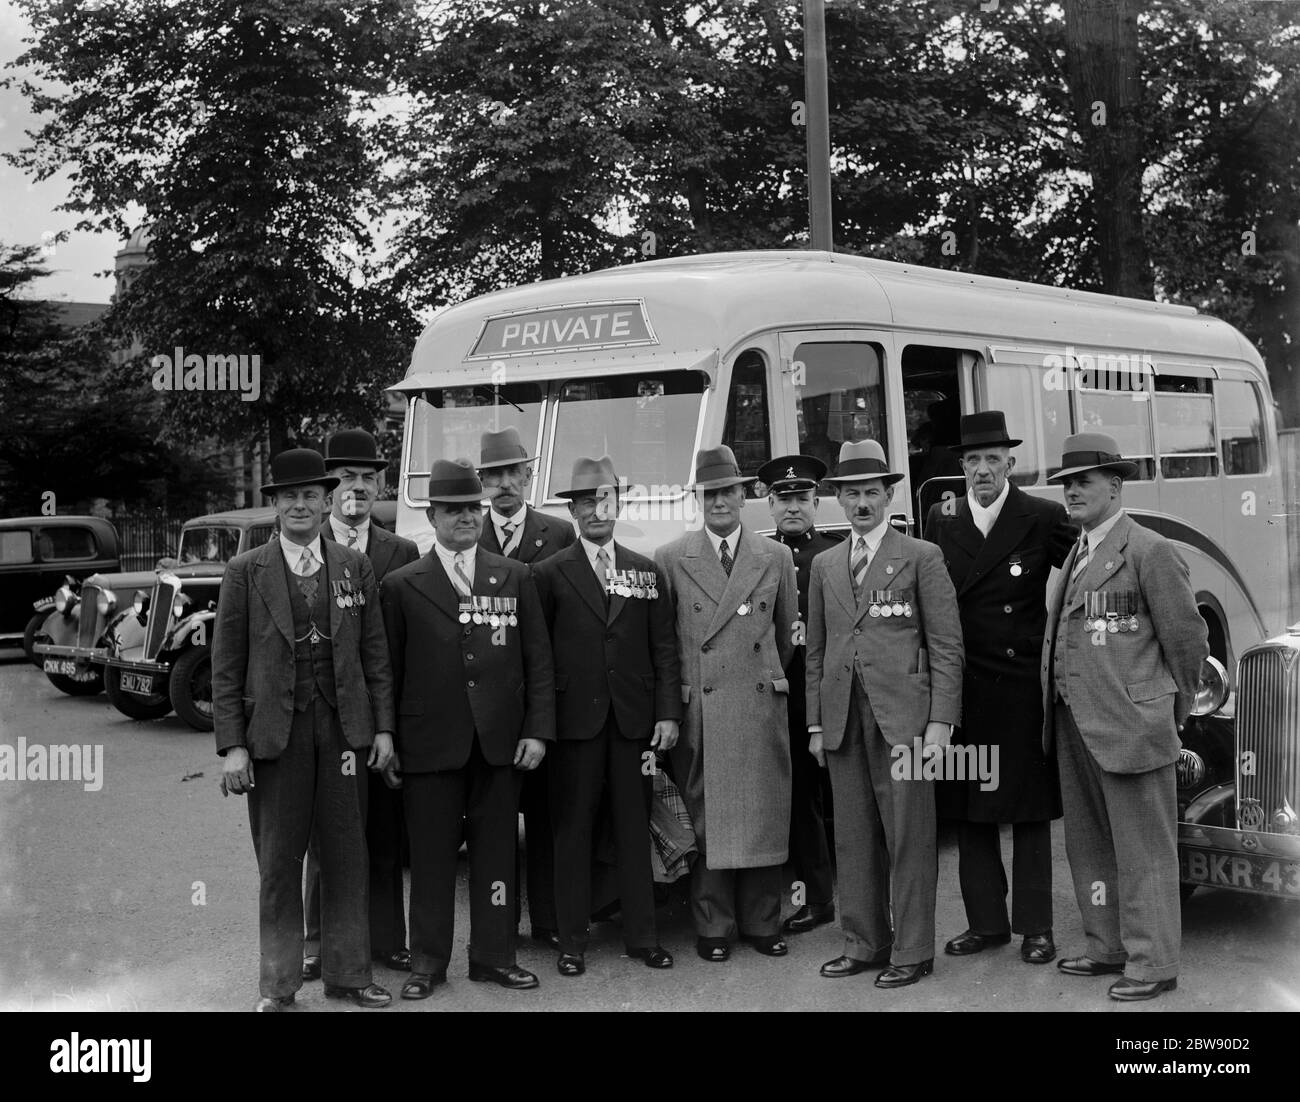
x,y
781,352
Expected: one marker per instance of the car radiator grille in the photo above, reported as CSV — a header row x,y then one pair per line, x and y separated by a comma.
x,y
160,614
89,625
1268,740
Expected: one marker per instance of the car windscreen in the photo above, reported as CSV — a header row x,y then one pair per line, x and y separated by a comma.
x,y
208,543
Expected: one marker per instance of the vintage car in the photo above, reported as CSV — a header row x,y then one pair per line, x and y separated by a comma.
x,y
37,555
158,656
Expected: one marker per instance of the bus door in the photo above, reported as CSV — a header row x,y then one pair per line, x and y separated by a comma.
x,y
753,426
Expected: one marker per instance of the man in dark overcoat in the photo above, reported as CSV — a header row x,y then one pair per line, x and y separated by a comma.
x,y
1000,545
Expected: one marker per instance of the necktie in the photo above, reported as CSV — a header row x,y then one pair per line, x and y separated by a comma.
x,y
858,567
307,583
463,583
307,563
602,570
507,536
1080,560
352,537
726,557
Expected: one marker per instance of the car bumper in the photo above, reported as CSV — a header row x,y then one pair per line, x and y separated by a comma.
x,y
140,665
96,655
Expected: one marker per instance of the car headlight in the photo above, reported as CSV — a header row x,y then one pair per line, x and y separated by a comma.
x,y
107,602
1211,688
178,605
140,602
65,600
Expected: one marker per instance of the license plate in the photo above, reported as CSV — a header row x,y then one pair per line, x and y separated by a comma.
x,y
140,683
65,666
1245,872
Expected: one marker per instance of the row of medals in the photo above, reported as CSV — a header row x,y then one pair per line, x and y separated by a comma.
x,y
1098,615
632,583
493,611
346,598
884,602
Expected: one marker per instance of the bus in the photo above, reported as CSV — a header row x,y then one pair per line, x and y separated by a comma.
x,y
773,353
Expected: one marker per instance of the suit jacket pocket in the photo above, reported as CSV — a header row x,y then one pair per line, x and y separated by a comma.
x,y
686,694
410,707
781,685
1153,689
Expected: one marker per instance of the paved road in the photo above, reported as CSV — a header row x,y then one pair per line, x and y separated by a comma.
x,y
98,908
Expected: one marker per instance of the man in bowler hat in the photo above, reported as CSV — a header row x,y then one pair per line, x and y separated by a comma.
x,y
302,702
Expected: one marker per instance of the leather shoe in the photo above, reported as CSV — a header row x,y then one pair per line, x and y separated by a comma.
x,y
713,949
971,942
546,937
514,977
1132,991
809,917
658,957
903,975
770,945
851,966
371,996
1038,948
269,1005
399,960
311,968
1086,966
421,984
571,964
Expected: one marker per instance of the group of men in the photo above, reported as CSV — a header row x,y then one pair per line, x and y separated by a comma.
x,y
527,664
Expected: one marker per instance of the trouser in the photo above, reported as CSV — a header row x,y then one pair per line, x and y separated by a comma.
x,y
308,785
1121,838
539,849
384,830
984,880
727,902
581,770
486,798
885,846
810,854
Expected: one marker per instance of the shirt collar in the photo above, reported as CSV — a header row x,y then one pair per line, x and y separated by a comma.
x,y
1102,530
732,540
293,551
987,514
520,515
592,548
447,557
873,537
341,527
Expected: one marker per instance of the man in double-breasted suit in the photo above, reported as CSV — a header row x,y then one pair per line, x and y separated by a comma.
x,y
1120,665
1000,546
475,704
884,669
518,531
618,702
736,605
302,702
352,457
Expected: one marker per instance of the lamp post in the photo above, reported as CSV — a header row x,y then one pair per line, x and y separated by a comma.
x,y
817,118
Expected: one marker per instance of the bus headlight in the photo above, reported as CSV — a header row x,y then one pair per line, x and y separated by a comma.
x,y
1211,688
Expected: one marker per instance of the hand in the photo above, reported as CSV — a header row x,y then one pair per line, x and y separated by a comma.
x,y
381,751
665,736
529,753
391,772
815,747
236,772
937,736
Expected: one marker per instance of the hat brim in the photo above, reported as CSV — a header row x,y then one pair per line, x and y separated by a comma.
x,y
570,495
887,477
792,486
722,483
328,481
505,463
1008,443
345,461
453,499
1124,468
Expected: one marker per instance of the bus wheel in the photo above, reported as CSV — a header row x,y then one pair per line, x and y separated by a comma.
x,y
154,706
32,635
191,688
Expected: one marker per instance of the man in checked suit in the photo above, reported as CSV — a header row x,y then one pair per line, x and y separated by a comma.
x,y
1120,665
518,531
302,701
618,702
352,457
884,671
475,695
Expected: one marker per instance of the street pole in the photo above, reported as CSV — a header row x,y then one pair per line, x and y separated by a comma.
x,y
817,118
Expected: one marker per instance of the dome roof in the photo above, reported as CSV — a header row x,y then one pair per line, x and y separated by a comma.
x,y
139,240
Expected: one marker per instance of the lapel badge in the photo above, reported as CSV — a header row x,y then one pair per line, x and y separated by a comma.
x,y
1110,565
743,610
538,542
889,569
492,581
346,574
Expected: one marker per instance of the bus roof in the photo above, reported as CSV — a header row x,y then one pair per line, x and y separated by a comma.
x,y
713,302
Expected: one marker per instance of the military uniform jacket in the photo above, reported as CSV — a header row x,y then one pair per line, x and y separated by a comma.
x,y
543,536
1129,693
732,762
1001,583
804,549
454,682
621,656
253,652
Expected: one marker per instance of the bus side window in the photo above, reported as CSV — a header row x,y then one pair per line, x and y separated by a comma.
x,y
840,396
1038,414
1184,409
1118,407
1241,427
747,431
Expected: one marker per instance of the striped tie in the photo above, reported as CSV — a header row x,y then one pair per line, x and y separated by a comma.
x,y
858,567
726,557
602,571
352,537
1080,560
463,583
507,537
307,563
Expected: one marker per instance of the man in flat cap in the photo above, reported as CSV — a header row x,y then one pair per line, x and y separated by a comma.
x,y
516,530
736,603
352,457
884,687
791,482
618,703
1000,545
475,695
1120,665
302,701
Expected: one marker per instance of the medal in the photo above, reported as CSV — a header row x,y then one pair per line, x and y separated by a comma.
x,y
638,592
1016,568
464,617
744,609
874,610
1132,623
478,617
896,608
494,620
1112,623
907,608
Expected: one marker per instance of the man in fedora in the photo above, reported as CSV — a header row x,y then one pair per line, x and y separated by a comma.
x,y
475,696
515,529
302,701
736,604
618,703
884,685
1120,665
1000,545
791,482
352,457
